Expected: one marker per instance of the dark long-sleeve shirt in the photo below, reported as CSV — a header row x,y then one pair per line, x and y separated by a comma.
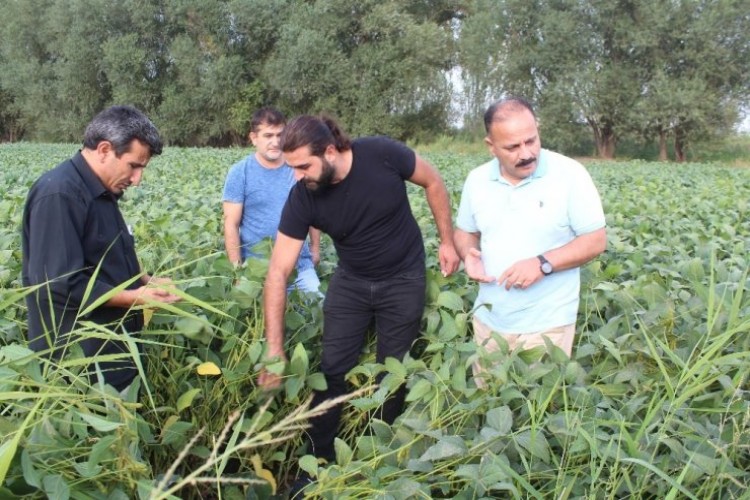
x,y
77,246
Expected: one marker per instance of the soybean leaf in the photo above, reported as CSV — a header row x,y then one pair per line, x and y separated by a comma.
x,y
186,399
99,423
446,447
500,419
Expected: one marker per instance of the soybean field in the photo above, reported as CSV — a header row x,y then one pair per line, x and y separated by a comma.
x,y
655,402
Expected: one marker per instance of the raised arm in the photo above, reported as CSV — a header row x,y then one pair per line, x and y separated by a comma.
x,y
426,176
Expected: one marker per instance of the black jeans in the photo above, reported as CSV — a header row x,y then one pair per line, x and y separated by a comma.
x,y
396,306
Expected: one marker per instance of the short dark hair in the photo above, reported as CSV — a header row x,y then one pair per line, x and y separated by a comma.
x,y
120,125
498,110
316,132
268,116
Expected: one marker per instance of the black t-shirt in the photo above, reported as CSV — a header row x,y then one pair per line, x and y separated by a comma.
x,y
367,214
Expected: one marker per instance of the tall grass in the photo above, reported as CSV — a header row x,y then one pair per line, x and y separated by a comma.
x,y
654,403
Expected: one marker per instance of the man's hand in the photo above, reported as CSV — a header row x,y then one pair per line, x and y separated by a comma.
x,y
315,253
160,281
449,259
474,266
522,274
154,293
150,293
268,380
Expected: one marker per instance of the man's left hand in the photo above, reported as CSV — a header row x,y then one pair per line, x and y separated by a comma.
x,y
449,259
522,274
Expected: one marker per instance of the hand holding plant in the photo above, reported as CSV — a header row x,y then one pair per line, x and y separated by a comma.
x,y
270,374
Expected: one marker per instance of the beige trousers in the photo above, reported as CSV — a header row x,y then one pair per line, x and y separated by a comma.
x,y
561,336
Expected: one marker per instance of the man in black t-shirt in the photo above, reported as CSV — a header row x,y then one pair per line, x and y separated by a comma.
x,y
355,192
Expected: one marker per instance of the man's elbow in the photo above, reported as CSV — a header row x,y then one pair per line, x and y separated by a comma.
x,y
600,242
276,276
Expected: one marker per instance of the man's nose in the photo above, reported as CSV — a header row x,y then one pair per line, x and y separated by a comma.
x,y
136,176
298,175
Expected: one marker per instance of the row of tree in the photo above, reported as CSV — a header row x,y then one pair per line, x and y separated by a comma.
x,y
648,69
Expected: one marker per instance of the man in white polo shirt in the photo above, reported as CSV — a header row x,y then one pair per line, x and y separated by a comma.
x,y
527,221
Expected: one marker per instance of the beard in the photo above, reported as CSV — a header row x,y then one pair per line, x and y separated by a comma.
x,y
325,180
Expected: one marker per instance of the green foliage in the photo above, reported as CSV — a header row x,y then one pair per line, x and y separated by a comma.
x,y
644,69
654,402
335,56
674,73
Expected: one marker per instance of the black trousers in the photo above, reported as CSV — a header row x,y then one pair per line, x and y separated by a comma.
x,y
395,305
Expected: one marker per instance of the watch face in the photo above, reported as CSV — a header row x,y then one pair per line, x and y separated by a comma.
x,y
547,268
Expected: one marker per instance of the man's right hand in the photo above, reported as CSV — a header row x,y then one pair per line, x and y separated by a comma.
x,y
268,380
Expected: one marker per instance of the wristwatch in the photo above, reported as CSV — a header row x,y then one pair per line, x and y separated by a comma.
x,y
545,266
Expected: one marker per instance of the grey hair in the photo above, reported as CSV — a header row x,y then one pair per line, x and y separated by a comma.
x,y
120,125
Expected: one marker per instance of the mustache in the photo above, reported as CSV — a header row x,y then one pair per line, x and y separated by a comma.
x,y
525,162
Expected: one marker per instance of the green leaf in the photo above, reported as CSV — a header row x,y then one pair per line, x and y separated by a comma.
x,y
56,487
317,382
419,390
395,367
292,386
450,300
99,423
30,474
309,464
404,488
447,447
186,399
299,362
343,452
433,320
448,328
176,433
500,419
192,328
102,450
535,443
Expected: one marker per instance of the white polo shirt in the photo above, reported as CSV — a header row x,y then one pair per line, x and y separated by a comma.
x,y
542,212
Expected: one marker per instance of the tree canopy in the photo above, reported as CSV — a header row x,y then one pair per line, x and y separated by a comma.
x,y
653,70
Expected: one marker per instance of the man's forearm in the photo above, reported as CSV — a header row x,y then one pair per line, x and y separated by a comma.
x,y
464,241
579,251
274,305
437,198
232,243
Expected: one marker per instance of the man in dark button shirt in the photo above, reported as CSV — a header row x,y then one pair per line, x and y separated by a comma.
x,y
77,247
355,191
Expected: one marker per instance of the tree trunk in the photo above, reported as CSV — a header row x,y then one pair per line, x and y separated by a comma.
x,y
680,143
663,146
604,137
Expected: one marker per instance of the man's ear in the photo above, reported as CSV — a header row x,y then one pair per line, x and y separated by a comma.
x,y
488,143
103,150
330,153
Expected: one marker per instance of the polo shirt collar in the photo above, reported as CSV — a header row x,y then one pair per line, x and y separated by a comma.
x,y
541,170
92,182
